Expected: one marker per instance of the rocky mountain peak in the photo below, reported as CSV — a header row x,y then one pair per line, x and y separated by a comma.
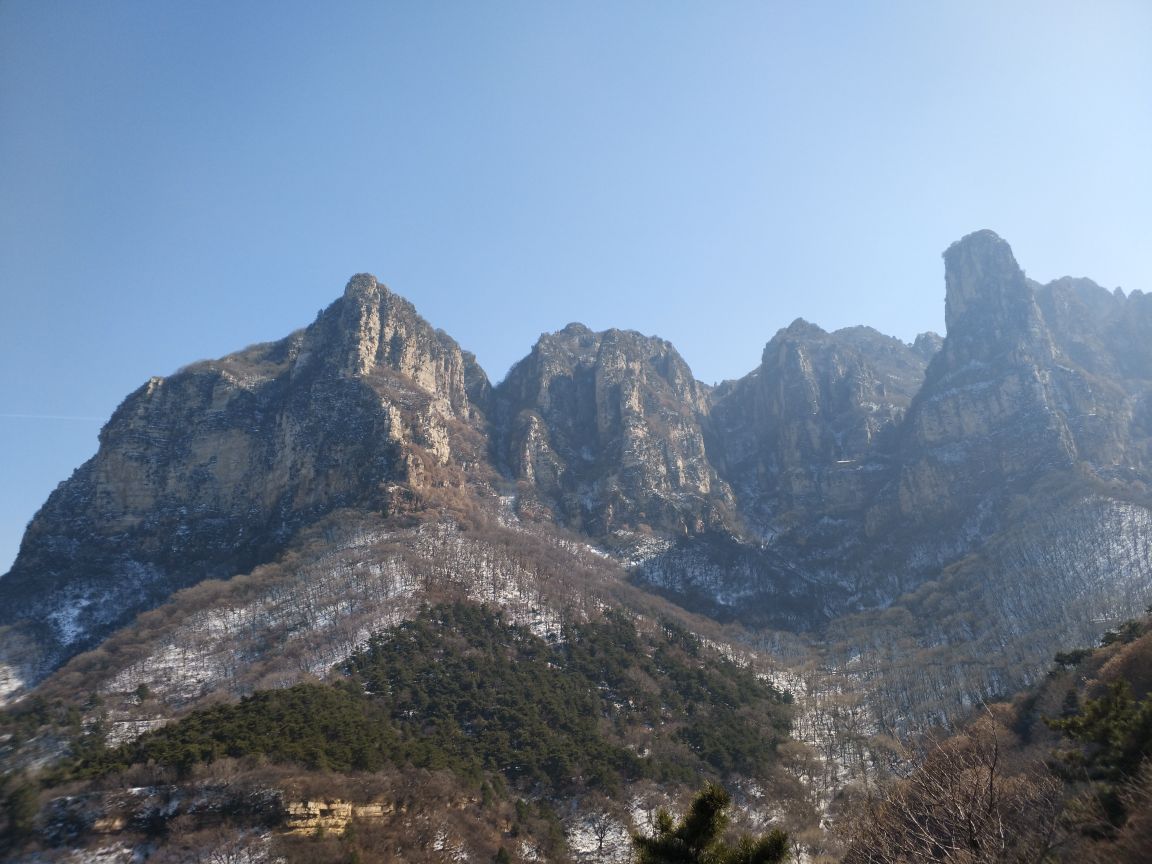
x,y
211,470
1030,380
575,329
818,407
364,285
572,347
980,271
607,428
928,344
371,332
800,327
990,307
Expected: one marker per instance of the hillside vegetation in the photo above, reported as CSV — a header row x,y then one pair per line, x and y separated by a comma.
x,y
1060,775
459,689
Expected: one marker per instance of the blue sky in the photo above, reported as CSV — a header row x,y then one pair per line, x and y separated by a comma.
x,y
178,180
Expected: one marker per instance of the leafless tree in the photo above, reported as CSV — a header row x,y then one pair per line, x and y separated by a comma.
x,y
601,823
963,804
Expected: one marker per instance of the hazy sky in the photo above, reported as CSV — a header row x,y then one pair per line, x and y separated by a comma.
x,y
179,179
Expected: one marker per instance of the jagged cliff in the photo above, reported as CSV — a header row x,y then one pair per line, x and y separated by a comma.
x,y
863,466
606,430
1005,402
213,470
811,427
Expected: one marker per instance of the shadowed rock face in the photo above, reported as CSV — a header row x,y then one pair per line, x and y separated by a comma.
x,y
846,469
1023,385
990,309
812,426
984,415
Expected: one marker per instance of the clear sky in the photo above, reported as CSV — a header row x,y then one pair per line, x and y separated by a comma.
x,y
179,179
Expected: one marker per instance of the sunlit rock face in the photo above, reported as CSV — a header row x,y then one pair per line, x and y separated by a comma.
x,y
212,470
607,431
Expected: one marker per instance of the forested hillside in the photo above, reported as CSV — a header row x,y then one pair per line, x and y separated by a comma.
x,y
599,711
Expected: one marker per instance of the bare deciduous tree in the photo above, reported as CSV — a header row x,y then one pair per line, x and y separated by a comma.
x,y
962,804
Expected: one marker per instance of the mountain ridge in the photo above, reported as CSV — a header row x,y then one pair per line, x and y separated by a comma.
x,y
882,534
844,471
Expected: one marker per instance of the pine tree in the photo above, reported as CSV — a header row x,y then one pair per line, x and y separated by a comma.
x,y
696,839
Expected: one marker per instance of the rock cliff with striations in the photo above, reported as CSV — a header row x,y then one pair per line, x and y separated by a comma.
x,y
1025,385
213,470
811,430
606,432
862,466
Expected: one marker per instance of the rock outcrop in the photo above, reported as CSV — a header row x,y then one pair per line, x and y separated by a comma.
x,y
210,471
811,430
1023,386
862,466
605,430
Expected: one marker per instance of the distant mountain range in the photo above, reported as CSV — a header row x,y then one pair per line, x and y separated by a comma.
x,y
928,523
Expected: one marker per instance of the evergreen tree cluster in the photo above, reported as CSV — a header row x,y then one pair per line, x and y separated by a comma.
x,y
698,838
1112,740
462,689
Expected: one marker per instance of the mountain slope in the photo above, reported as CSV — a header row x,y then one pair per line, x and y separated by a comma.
x,y
213,470
890,532
843,472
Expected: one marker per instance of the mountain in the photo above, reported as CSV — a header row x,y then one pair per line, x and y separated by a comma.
x,y
211,471
606,432
846,470
1012,397
889,531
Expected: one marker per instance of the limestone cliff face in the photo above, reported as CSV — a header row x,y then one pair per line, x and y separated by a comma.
x,y
990,309
1106,339
1022,386
209,471
606,431
863,466
806,442
810,431
373,331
